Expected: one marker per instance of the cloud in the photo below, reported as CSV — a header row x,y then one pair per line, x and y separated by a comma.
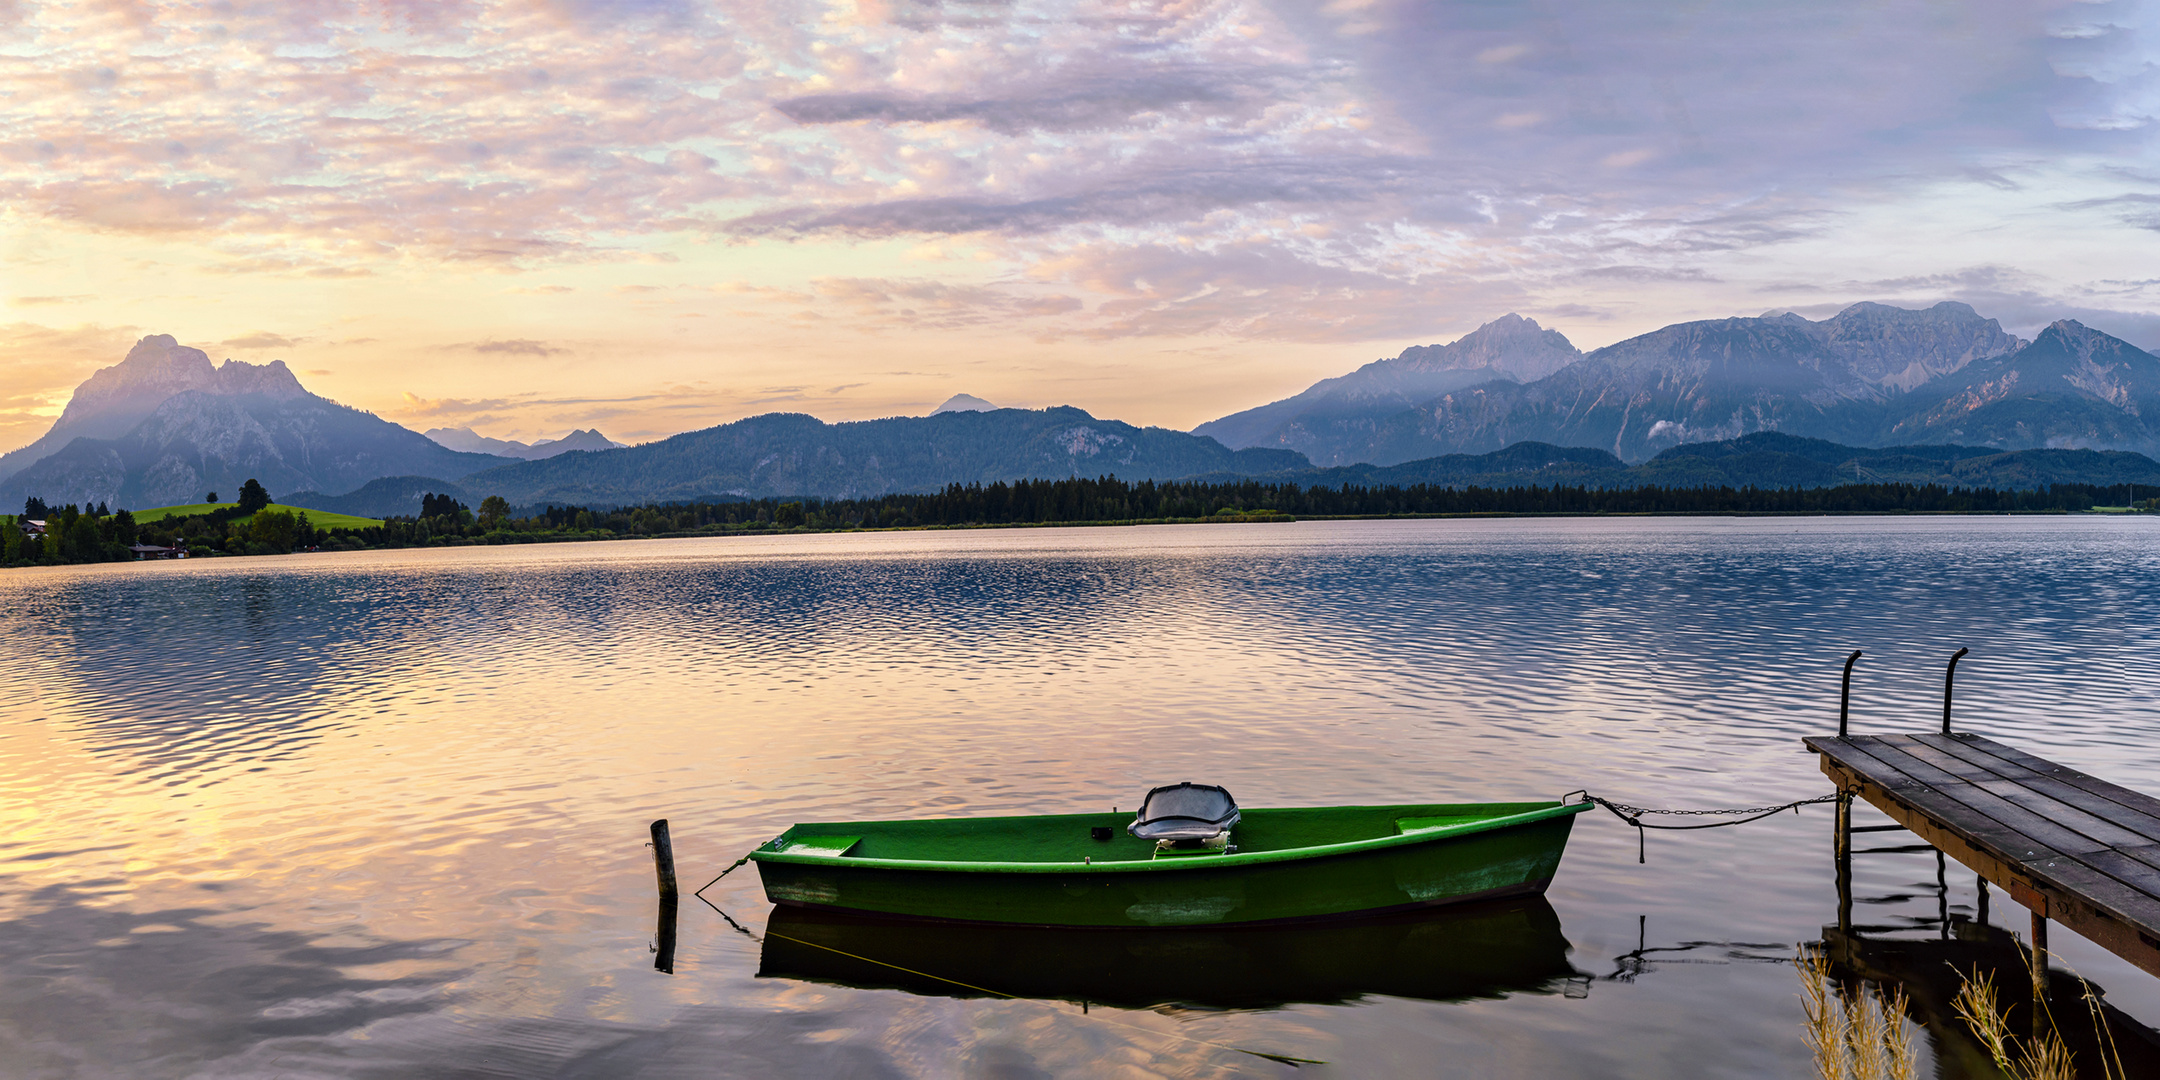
x,y
417,407
2136,209
922,303
1410,157
1646,273
42,301
510,347
40,366
259,340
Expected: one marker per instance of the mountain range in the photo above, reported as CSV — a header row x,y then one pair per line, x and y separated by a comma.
x,y
1870,375
1941,395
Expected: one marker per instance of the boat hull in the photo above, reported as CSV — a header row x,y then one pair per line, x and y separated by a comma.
x,y
1450,954
1497,860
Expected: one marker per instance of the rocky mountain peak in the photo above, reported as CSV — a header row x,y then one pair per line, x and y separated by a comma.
x,y
273,379
1901,348
155,369
1511,345
2078,339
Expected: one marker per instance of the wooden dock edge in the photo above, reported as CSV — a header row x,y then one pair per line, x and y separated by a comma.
x,y
2042,898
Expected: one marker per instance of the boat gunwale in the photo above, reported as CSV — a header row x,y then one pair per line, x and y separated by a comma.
x,y
1189,864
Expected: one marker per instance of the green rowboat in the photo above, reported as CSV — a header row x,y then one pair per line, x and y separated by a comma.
x,y
1214,866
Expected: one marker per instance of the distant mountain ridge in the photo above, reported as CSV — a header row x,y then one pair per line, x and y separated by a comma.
x,y
386,496
1762,460
963,403
794,454
467,440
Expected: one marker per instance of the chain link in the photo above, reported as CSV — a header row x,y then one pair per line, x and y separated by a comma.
x,y
1624,810
1634,815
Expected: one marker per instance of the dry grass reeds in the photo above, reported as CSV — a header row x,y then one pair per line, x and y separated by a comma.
x,y
1861,1035
2045,1056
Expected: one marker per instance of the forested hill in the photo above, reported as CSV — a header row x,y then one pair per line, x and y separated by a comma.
x,y
797,455
1765,459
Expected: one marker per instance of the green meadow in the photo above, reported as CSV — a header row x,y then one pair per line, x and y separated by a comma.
x,y
321,519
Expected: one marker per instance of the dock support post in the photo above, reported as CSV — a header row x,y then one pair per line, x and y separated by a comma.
x,y
1843,847
663,853
1983,903
1942,894
2039,972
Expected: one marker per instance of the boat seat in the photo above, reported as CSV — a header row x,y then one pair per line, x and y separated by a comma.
x,y
1185,812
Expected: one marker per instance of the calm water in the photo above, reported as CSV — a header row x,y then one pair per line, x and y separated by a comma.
x,y
384,814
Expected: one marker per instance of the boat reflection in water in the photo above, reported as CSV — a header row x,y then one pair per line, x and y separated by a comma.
x,y
1481,950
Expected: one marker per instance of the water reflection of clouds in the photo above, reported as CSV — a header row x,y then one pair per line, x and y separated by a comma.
x,y
95,990
1530,628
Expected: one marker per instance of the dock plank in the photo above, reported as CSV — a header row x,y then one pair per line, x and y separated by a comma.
x,y
2039,829
2134,800
2127,814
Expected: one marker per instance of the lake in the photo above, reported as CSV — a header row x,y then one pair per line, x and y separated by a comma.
x,y
384,814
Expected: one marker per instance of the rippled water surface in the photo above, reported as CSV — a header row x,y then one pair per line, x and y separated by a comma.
x,y
384,814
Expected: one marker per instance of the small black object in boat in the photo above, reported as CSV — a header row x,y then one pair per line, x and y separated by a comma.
x,y
1099,832
1193,814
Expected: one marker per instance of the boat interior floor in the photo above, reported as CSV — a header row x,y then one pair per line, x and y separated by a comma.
x,y
1102,838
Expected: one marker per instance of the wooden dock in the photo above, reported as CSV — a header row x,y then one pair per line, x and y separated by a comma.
x,y
2070,847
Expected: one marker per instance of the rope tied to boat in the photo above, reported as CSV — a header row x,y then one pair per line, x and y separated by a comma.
x,y
1634,815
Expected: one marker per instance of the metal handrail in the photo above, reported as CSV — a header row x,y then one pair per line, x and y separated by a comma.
x,y
1844,705
1949,677
1844,702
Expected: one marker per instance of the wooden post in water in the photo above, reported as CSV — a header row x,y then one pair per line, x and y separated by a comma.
x,y
663,853
663,857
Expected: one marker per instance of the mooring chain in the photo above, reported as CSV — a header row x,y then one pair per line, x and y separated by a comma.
x,y
1634,815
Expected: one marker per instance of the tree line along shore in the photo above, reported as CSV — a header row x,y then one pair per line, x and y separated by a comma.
x,y
254,525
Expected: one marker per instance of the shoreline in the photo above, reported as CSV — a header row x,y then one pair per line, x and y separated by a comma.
x,y
511,539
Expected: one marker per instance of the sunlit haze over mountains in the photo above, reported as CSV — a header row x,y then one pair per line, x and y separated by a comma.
x,y
654,216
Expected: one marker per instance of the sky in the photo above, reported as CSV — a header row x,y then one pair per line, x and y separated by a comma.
x,y
652,216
